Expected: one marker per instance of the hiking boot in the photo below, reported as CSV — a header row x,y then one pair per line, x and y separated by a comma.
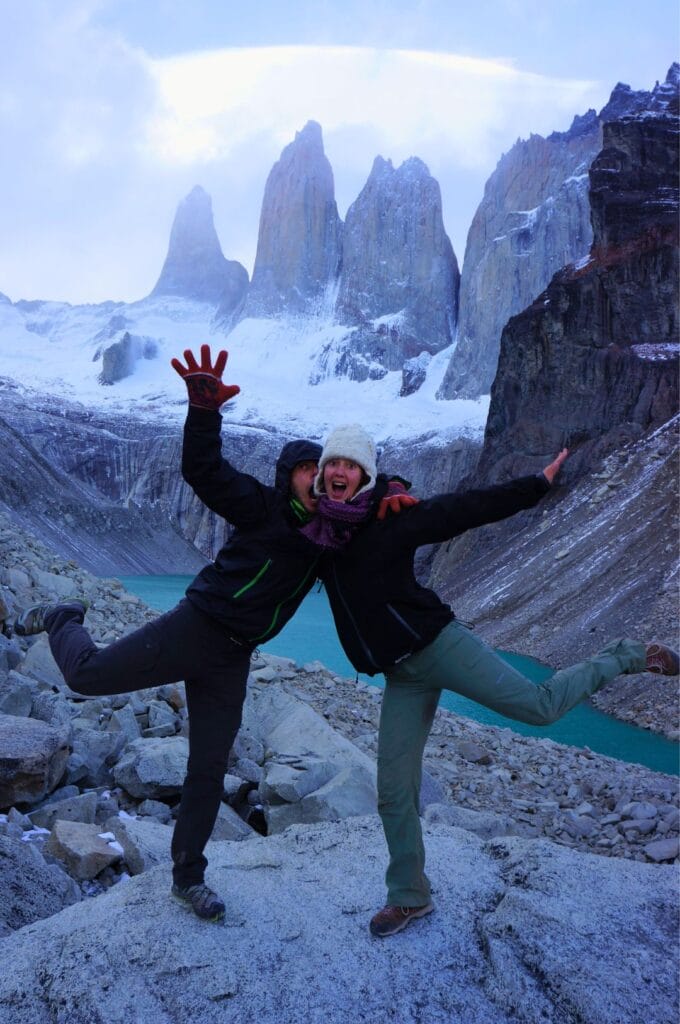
x,y
205,903
32,620
662,660
392,919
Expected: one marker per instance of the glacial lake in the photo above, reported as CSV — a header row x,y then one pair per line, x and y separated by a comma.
x,y
311,636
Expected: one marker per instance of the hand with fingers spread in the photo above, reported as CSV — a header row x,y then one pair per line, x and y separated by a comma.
x,y
395,500
204,382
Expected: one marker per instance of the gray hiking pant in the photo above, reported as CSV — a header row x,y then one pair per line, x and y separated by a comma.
x,y
458,660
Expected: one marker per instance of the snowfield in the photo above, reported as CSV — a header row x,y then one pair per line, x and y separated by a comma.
x,y
56,348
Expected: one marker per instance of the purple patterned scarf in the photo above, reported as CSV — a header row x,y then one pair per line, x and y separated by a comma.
x,y
334,524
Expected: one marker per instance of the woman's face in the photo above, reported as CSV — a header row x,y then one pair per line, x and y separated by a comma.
x,y
342,479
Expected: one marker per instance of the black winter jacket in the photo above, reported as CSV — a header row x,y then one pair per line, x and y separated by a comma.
x,y
382,614
266,568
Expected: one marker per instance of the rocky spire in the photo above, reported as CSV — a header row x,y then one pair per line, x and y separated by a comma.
x,y
298,247
195,267
398,266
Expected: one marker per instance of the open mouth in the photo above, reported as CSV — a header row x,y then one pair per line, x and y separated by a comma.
x,y
338,490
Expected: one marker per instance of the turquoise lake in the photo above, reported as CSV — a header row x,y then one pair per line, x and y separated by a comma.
x,y
311,636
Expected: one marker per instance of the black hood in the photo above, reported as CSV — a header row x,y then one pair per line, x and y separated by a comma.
x,y
291,454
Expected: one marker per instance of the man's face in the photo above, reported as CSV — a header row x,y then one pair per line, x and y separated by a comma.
x,y
301,483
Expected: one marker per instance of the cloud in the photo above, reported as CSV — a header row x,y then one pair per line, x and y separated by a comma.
x,y
101,141
211,103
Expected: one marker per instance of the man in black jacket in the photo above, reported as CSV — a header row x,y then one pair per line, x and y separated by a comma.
x,y
243,598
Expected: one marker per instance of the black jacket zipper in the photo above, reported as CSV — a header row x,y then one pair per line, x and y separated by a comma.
x,y
366,649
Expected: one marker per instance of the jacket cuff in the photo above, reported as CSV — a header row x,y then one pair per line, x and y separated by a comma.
x,y
197,417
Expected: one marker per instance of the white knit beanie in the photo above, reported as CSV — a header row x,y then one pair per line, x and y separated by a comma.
x,y
349,441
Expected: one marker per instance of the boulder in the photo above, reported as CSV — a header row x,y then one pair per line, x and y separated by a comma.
x,y
153,767
31,889
230,826
40,664
84,849
33,758
79,808
16,695
145,843
349,793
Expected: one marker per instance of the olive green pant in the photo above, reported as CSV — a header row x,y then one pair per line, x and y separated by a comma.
x,y
458,660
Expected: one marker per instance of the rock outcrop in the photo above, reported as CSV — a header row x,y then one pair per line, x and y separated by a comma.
x,y
299,241
195,267
77,481
399,280
592,363
597,352
533,220
536,933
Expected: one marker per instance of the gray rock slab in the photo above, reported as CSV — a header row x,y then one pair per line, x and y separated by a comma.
x,y
16,695
289,727
33,759
80,808
145,843
40,664
523,932
483,823
82,848
349,793
30,888
230,826
153,767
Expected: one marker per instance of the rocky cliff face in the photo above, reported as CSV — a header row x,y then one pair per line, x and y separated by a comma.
x,y
592,363
533,220
597,352
195,267
399,281
298,247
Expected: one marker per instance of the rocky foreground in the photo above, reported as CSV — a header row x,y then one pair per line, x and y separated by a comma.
x,y
555,869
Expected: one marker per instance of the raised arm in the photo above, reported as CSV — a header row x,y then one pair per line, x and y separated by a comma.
x,y
237,497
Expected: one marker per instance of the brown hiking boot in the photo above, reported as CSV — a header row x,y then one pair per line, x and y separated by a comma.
x,y
392,919
662,660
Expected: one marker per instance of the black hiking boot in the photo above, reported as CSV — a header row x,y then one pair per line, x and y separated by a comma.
x,y
205,903
662,660
33,620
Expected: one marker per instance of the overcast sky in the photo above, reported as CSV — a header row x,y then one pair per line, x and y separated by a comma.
x,y
112,110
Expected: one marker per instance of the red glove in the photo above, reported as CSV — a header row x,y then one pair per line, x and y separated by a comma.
x,y
395,500
204,382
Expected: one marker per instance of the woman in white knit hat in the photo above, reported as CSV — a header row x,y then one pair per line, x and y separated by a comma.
x,y
387,622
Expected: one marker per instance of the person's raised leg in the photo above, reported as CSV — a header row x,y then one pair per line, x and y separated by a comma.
x,y
162,651
460,661
405,721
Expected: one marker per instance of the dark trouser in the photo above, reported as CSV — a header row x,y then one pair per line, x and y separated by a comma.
x,y
184,645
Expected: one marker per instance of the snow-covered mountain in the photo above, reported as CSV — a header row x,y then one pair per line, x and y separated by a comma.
x,y
284,366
